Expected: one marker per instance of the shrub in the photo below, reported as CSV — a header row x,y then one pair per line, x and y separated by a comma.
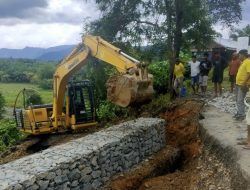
x,y
9,134
32,97
160,71
108,111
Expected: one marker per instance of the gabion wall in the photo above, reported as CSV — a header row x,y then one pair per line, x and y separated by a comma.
x,y
88,162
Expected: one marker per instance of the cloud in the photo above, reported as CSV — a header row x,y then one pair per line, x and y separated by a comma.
x,y
45,23
39,35
18,8
45,11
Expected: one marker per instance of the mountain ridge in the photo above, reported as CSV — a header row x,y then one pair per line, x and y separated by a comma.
x,y
55,53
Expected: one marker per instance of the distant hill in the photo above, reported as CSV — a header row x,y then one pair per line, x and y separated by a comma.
x,y
47,54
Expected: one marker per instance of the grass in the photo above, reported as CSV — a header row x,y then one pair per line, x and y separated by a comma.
x,y
10,91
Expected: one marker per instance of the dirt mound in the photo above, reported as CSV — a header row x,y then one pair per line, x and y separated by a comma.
x,y
175,181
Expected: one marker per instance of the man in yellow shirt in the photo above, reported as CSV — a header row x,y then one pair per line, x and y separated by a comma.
x,y
178,76
242,84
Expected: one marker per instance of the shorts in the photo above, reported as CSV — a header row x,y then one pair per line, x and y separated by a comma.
x,y
178,82
195,80
232,78
217,78
203,80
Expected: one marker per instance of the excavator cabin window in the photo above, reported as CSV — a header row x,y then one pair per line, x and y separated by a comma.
x,y
81,101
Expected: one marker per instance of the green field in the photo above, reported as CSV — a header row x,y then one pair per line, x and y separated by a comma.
x,y
10,91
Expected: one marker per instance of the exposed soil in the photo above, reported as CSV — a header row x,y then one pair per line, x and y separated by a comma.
x,y
160,163
187,164
182,131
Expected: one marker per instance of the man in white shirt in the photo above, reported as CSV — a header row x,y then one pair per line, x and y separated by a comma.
x,y
195,71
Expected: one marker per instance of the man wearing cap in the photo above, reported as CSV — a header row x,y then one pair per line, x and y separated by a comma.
x,y
242,84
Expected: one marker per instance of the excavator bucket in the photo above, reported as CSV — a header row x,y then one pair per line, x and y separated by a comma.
x,y
124,90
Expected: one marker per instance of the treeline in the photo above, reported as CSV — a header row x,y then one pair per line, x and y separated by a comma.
x,y
27,71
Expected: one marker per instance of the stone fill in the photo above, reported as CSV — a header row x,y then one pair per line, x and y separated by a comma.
x,y
88,162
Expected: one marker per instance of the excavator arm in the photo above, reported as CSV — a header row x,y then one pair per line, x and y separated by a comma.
x,y
97,47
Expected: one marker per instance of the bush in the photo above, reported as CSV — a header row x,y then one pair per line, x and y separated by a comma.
x,y
160,71
2,104
9,134
108,111
32,97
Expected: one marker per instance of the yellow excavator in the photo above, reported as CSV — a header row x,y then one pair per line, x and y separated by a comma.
x,y
73,105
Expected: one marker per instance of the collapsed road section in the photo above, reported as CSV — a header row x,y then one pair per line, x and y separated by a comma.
x,y
87,162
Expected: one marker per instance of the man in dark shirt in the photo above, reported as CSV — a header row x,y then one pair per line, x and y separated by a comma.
x,y
219,65
205,67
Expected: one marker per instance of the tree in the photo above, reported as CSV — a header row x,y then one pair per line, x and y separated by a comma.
x,y
169,21
240,32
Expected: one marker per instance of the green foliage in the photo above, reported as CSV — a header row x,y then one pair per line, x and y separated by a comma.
x,y
9,134
2,104
45,84
45,76
46,71
158,105
160,71
25,70
134,21
108,111
33,98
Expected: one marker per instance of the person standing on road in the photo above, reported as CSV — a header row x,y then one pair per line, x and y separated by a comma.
x,y
195,71
205,67
233,69
178,76
219,65
242,84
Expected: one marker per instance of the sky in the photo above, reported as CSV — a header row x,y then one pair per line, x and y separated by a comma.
x,y
47,23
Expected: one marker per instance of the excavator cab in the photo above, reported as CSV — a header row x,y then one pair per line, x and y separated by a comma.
x,y
81,101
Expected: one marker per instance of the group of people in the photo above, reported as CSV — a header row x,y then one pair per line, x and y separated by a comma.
x,y
200,71
239,77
